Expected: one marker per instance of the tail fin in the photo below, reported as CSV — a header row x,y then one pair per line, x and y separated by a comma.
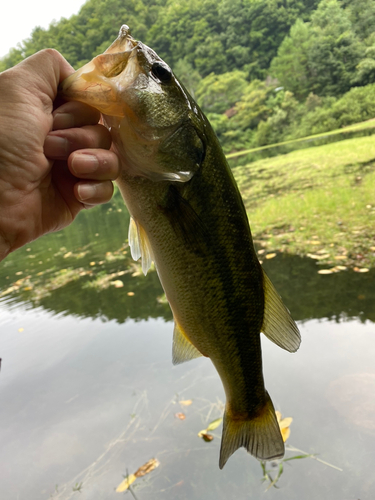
x,y
261,435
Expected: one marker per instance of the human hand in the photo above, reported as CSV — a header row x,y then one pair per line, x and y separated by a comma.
x,y
53,163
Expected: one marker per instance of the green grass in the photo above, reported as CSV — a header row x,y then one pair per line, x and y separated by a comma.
x,y
318,201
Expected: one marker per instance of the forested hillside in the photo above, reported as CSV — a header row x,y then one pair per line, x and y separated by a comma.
x,y
263,70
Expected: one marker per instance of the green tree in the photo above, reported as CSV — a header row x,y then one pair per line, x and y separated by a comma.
x,y
218,93
320,56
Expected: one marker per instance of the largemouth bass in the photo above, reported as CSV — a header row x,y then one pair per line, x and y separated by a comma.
x,y
188,217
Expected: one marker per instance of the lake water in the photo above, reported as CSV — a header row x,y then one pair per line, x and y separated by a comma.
x,y
89,394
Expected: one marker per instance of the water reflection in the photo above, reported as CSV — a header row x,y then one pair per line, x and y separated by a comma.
x,y
87,271
84,403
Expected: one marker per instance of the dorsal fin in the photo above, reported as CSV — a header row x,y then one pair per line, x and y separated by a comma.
x,y
278,325
182,349
140,245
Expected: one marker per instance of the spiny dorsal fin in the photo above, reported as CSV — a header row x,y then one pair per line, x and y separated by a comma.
x,y
278,325
140,245
182,350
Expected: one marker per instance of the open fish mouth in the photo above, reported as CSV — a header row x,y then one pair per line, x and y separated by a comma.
x,y
98,81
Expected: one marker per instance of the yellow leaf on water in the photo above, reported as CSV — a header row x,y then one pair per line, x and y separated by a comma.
x,y
214,424
124,485
131,294
340,257
180,415
117,283
142,471
361,270
284,424
285,433
270,255
341,268
325,271
92,263
187,402
68,254
211,427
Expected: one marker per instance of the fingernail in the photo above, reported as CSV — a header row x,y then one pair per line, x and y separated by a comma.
x,y
56,147
86,191
62,121
84,164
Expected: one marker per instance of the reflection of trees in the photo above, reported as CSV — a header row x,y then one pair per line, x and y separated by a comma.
x,y
101,230
311,295
111,303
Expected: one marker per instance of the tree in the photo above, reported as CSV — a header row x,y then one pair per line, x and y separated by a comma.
x,y
320,56
218,93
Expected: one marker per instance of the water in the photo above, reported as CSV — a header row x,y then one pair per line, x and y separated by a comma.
x,y
88,391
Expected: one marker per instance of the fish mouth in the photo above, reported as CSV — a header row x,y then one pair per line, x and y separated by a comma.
x,y
97,83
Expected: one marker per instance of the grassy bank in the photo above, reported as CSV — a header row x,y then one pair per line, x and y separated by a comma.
x,y
318,202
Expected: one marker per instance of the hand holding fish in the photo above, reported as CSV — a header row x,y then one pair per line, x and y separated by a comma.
x,y
54,159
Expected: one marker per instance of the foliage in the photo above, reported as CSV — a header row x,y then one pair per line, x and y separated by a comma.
x,y
263,71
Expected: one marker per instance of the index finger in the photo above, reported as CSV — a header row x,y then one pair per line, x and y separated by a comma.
x,y
74,114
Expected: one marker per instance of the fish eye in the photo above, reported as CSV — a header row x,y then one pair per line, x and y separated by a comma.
x,y
161,72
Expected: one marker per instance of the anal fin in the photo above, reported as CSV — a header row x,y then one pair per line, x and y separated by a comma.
x,y
140,245
182,349
278,325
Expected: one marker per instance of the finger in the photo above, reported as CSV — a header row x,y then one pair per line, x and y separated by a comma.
x,y
96,164
60,143
74,114
92,193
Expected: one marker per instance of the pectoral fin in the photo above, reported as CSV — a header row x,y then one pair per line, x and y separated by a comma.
x,y
140,245
278,324
182,350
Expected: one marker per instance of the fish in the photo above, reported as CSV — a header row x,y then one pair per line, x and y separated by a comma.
x,y
188,217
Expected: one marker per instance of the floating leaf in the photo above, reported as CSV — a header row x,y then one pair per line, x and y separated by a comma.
x,y
124,485
325,271
270,255
207,437
318,257
180,415
68,254
284,424
131,294
147,467
142,471
211,427
214,424
187,402
117,283
361,269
